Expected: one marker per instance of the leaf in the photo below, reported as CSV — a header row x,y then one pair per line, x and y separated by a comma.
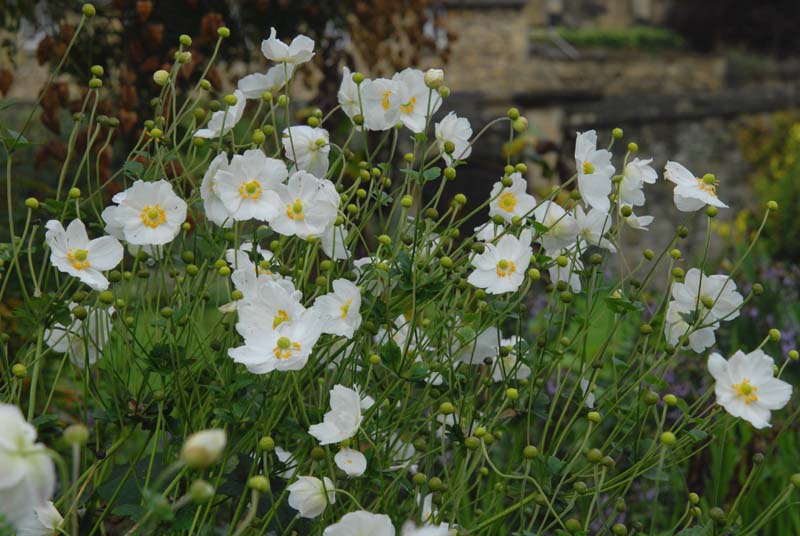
x,y
431,174
12,139
133,168
697,434
621,305
466,335
391,354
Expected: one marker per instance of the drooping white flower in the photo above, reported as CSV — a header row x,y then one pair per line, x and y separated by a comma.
x,y
42,520
351,461
73,253
380,99
285,348
203,448
675,327
308,147
714,296
253,86
348,95
361,523
510,365
501,267
310,495
569,273
289,462
489,231
344,418
83,340
340,309
637,172
483,346
27,474
308,206
222,121
417,101
513,201
691,193
562,229
299,51
247,187
212,204
456,130
637,222
147,214
746,386
592,227
594,170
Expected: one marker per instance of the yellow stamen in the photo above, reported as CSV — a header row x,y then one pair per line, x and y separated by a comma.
x,y
285,348
78,258
345,308
250,190
408,107
505,268
708,187
746,391
507,201
385,100
153,215
588,168
295,210
280,318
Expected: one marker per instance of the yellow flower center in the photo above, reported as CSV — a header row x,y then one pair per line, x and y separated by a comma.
x,y
505,268
295,210
345,308
250,190
708,187
280,318
746,391
78,258
153,215
408,107
588,168
507,201
385,99
285,347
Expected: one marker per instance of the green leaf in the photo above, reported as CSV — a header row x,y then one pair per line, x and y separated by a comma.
x,y
621,305
12,139
133,169
391,354
431,174
697,434
466,335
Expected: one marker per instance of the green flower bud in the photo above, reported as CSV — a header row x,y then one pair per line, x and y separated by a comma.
x,y
446,408
671,400
106,297
201,491
32,203
617,133
772,205
530,452
435,483
668,439
774,335
594,455
594,417
88,10
472,443
258,483
19,370
74,193
632,147
76,434
223,32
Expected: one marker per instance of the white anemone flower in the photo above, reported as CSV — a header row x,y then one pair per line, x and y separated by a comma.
x,y
203,448
380,100
289,462
714,296
348,94
344,418
417,100
676,327
501,267
73,253
42,520
489,231
361,523
308,147
509,365
247,187
340,309
593,226
274,304
594,171
746,386
253,86
27,474
411,529
457,131
307,207
222,121
638,222
562,228
513,201
636,173
214,208
83,340
147,214
310,495
691,193
300,50
351,461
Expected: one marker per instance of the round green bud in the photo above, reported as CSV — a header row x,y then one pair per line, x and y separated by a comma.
x,y
449,147
562,261
237,294
449,173
258,483
95,83
192,269
374,359
694,498
573,525
712,211
357,77
678,273
648,254
534,274
758,289
671,400
166,312
633,147
106,297
230,100
512,394
594,417
74,193
774,335
626,211
446,408
80,312
32,203
460,199
793,355
88,10
97,70
76,434
385,239
619,529
595,259
520,125
446,262
318,453
696,511
772,205
19,370
668,439
224,271
513,114
795,480
435,483
617,133
419,479
156,133
619,505
406,201
472,443
594,455
223,32
201,491
580,487
717,514
530,452
682,231
444,92
185,40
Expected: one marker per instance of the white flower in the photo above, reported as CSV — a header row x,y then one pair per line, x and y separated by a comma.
x,y
562,229
714,296
489,231
473,352
352,462
380,99
636,173
746,386
286,348
361,523
410,529
307,207
594,171
509,365
289,462
73,253
223,121
248,276
333,240
457,131
340,309
27,474
42,520
344,418
83,340
348,94
214,208
417,101
638,222
300,50
147,214
254,85
676,327
434,78
310,495
203,448
369,276
592,226
501,267
512,201
569,273
247,186
691,193
308,148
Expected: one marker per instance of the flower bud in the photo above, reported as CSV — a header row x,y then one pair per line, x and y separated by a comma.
x,y
74,193
185,40
774,335
76,434
19,370
772,205
446,408
223,32
594,417
32,203
512,394
434,78
203,448
357,77
670,400
201,491
633,147
88,10
594,455
258,483
617,133
668,439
